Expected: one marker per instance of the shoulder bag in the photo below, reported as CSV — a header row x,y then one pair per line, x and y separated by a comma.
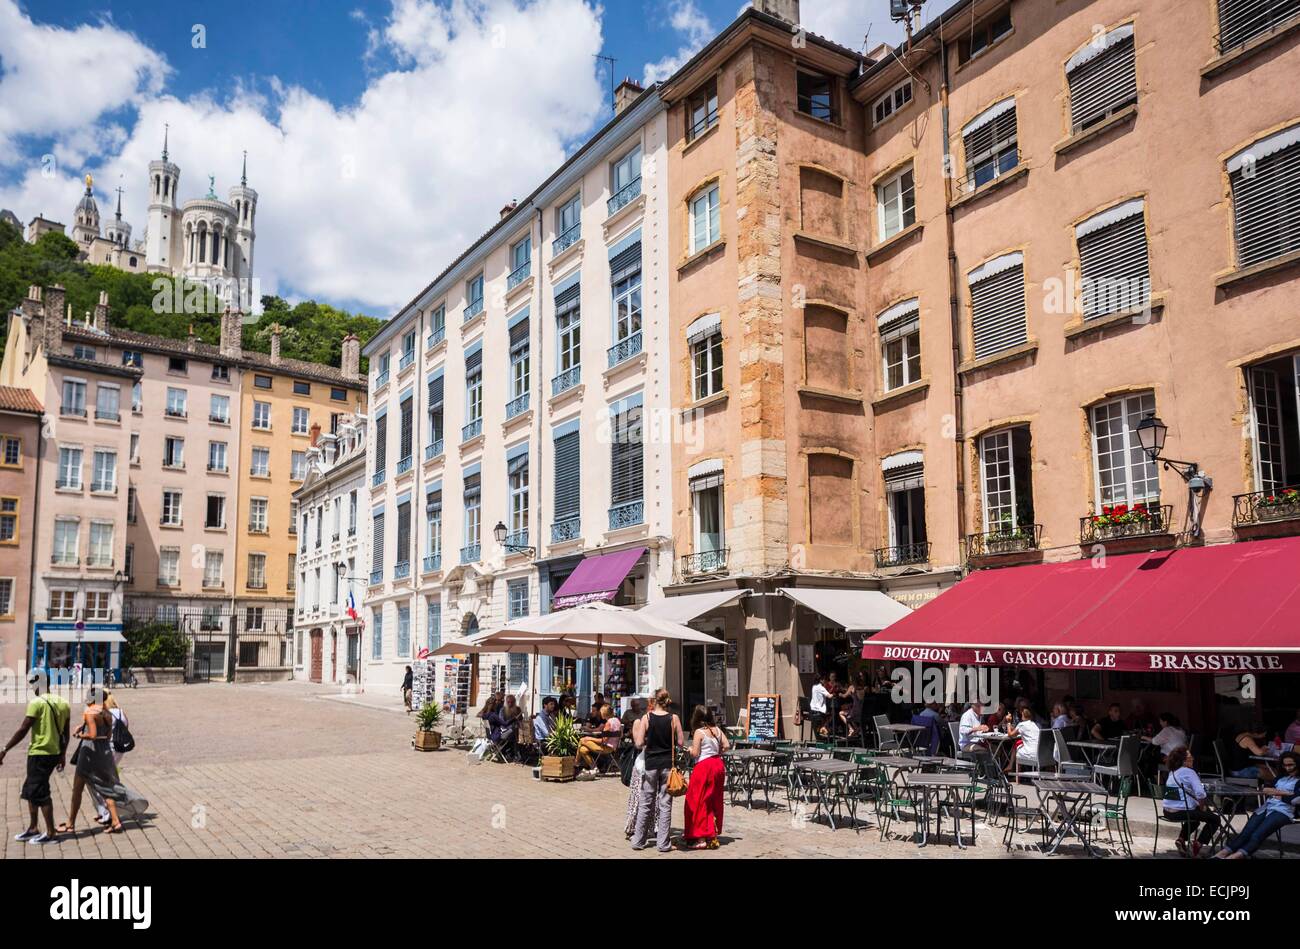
x,y
676,780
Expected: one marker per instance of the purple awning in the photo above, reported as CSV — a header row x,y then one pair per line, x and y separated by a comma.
x,y
596,578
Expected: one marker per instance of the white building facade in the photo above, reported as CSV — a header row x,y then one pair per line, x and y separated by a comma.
x,y
526,390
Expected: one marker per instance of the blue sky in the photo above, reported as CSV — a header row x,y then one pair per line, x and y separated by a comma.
x,y
373,166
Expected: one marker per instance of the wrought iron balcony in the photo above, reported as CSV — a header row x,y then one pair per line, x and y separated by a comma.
x,y
432,563
378,478
625,349
566,529
433,450
628,514
1004,540
705,562
435,337
108,415
472,309
1118,521
517,406
516,540
100,562
1262,507
903,555
566,380
407,361
63,560
381,379
566,240
376,577
473,430
402,570
625,195
70,410
405,464
519,275
470,553
64,484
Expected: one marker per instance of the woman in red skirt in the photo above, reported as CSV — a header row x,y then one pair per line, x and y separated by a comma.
x,y
708,779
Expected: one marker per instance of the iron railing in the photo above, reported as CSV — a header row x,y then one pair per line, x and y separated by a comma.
x,y
472,309
407,361
517,406
433,450
472,430
436,336
1004,540
628,514
470,553
405,464
381,379
1116,522
705,561
902,555
624,196
108,415
432,563
566,240
566,529
566,380
625,349
376,577
516,540
401,570
378,478
519,275
1258,507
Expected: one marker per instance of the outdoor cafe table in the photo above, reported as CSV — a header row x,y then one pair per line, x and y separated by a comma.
x,y
1000,744
751,761
940,786
896,761
907,734
1230,799
828,778
1097,749
1068,803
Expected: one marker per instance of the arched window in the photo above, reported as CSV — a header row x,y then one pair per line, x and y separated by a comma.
x,y
156,185
203,244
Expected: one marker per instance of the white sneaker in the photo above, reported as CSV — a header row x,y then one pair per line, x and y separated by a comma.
x,y
26,835
41,838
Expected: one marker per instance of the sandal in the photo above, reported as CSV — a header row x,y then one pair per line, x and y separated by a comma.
x,y
114,829
66,828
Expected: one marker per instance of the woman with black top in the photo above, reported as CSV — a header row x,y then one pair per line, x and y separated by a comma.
x,y
407,683
658,734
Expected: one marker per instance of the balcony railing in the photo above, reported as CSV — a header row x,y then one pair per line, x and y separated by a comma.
x,y
470,554
519,275
705,562
625,349
73,410
381,379
903,555
433,450
516,540
1261,507
566,529
473,430
402,570
405,464
172,412
407,361
628,514
376,577
219,419
1116,522
566,240
566,380
218,468
378,478
435,337
101,562
472,309
624,196
1004,540
109,415
432,563
67,485
62,560
103,487
517,406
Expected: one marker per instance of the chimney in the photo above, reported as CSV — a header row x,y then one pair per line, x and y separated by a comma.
x,y
55,314
34,313
351,361
315,434
101,312
627,90
232,333
787,10
276,331
509,209
192,341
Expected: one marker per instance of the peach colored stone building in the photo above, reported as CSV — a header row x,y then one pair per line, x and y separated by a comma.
x,y
20,447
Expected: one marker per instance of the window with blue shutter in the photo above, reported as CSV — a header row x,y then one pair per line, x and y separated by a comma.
x,y
435,416
625,278
381,447
406,434
568,329
519,366
377,547
473,394
568,486
627,506
473,498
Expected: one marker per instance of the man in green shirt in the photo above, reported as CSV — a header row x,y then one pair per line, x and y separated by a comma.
x,y
46,720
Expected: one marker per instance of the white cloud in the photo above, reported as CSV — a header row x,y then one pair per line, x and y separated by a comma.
x,y
367,202
847,21
684,17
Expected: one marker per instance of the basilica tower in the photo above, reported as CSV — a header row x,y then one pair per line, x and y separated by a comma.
x,y
162,235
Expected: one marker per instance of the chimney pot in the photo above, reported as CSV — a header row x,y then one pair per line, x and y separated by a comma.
x,y
787,10
351,357
276,331
509,208
315,433
232,333
626,93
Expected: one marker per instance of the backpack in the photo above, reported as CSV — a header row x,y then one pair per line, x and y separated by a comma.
x,y
123,740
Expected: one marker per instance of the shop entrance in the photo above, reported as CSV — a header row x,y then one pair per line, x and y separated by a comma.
x,y
704,678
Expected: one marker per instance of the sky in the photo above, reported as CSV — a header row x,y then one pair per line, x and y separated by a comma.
x,y
382,137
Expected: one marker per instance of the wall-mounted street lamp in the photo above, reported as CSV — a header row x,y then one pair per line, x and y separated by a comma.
x,y
1151,432
500,533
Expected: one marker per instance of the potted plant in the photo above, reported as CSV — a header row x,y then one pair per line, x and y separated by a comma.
x,y
560,763
1279,505
426,720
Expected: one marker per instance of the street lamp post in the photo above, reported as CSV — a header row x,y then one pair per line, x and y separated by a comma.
x,y
500,533
1151,433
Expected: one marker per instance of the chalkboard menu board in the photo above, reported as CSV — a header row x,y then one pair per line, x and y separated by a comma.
x,y
764,715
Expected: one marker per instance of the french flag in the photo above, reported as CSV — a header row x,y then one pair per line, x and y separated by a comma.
x,y
352,605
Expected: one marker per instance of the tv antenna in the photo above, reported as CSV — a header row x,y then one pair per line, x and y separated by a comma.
x,y
609,62
907,12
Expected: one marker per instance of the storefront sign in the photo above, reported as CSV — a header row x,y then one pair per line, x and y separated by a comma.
x,y
1127,661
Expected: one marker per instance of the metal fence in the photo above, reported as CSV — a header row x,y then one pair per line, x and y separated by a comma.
x,y
212,642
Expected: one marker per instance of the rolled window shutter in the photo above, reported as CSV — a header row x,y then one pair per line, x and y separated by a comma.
x,y
433,503
568,474
404,532
1266,207
473,361
435,392
377,545
1114,264
407,431
472,487
1240,21
990,137
1103,85
519,334
998,312
381,443
626,264
568,299
626,458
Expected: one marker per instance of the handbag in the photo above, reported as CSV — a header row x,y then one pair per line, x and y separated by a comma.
x,y
76,754
676,779
627,765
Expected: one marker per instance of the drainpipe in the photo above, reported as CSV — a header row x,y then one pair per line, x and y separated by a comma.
x,y
954,304
535,687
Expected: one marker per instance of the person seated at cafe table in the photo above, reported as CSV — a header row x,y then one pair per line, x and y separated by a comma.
x,y
1170,736
1292,735
1111,727
593,715
1277,811
1254,741
635,709
818,704
1184,801
997,718
590,747
544,721
971,724
1060,719
1029,732
1139,719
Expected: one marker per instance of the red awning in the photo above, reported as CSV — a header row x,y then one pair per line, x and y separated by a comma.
x,y
597,578
1225,608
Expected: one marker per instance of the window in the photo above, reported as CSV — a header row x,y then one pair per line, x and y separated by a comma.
x,y
339,395
352,513
517,479
474,387
704,336
99,605
132,358
220,373
66,534
1275,405
433,520
257,515
1113,260
298,465
1007,483
905,496
261,466
219,409
101,544
990,141
519,361
254,617
1124,473
377,634
74,397
625,180
997,297
568,483
705,223
262,416
7,597
403,629
474,293
568,221
69,469
63,604
626,460
900,344
215,516
406,432
107,402
320,525
128,563
706,510
517,594
8,520
11,451
436,388
178,364
408,350
625,278
171,508
137,397
891,102
169,566
377,546
214,564
1265,199
568,327
1102,78
134,448
301,388
217,456
433,634
473,517
1240,21
984,35
300,419
103,476
381,446
702,110
130,505
173,452
830,481
402,560
896,203
817,96
176,401
256,576
262,382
